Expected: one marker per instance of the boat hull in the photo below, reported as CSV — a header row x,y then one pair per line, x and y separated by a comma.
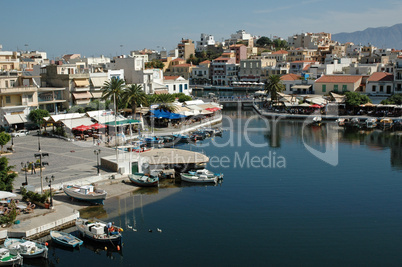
x,y
93,198
16,260
114,238
41,253
62,241
135,179
195,179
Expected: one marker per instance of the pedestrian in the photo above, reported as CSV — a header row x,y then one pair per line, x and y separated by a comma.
x,y
33,168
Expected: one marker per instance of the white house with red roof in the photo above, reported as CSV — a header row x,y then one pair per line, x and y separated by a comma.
x,y
380,83
338,83
176,84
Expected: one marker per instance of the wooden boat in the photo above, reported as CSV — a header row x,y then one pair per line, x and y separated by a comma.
x,y
140,179
86,192
26,248
99,231
9,259
201,176
65,239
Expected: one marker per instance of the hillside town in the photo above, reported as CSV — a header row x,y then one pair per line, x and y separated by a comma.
x,y
308,63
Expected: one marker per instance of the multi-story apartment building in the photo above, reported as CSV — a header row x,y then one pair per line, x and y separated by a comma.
x,y
398,75
9,60
251,69
186,48
76,80
300,66
205,41
240,52
300,54
309,40
224,71
201,74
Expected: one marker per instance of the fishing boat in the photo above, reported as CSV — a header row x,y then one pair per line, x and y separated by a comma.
x,y
201,176
153,140
182,138
386,123
140,179
317,120
65,239
9,259
341,121
371,123
212,131
86,192
26,248
99,231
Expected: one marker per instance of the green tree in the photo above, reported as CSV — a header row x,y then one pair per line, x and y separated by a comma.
x,y
112,90
263,41
165,102
4,139
7,176
396,99
356,99
182,97
154,64
134,95
37,115
274,85
280,44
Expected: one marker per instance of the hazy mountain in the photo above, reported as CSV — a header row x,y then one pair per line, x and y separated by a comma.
x,y
382,37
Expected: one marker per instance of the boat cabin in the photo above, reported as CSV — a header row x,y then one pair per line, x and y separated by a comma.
x,y
28,247
4,253
87,189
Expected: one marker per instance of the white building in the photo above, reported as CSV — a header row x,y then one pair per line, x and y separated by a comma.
x,y
205,41
177,84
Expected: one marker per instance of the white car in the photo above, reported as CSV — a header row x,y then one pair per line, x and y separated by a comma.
x,y
20,133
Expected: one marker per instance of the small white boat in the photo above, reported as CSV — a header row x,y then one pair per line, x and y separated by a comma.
x,y
99,231
201,176
9,259
65,239
86,192
317,120
27,248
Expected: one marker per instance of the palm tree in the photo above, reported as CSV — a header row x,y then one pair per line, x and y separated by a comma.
x,y
113,88
274,85
165,102
134,95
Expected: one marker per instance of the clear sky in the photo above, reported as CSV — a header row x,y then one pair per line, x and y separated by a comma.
x,y
92,28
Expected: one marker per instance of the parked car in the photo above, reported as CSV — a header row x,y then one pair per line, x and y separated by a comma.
x,y
20,133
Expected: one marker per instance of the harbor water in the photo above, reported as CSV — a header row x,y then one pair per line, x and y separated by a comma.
x,y
293,194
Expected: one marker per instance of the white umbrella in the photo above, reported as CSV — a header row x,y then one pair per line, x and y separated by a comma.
x,y
5,194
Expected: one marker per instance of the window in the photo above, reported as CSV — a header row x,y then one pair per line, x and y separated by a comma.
x,y
381,88
8,99
324,88
185,87
174,87
374,88
30,98
335,88
6,84
344,88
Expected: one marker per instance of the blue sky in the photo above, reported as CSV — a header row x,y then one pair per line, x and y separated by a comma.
x,y
92,28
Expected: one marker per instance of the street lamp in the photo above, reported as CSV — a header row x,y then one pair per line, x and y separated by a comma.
x,y
97,152
25,167
49,180
38,140
40,156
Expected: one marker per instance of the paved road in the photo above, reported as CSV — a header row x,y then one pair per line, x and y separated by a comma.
x,y
67,160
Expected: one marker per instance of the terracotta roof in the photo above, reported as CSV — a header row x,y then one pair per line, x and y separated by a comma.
x,y
205,62
237,45
381,76
182,65
222,58
178,59
171,77
280,52
339,79
306,67
290,77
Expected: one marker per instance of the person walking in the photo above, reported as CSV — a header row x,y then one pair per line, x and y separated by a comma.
x,y
33,168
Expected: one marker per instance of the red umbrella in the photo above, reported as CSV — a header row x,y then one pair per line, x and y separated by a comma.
x,y
82,128
213,109
315,106
98,126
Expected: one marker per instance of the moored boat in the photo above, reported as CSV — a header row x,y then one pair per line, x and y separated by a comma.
x,y
9,259
201,176
86,192
99,231
140,179
26,248
65,239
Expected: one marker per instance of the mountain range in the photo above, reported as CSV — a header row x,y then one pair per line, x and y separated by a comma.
x,y
381,37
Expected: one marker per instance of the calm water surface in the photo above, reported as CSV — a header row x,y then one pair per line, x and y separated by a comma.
x,y
302,212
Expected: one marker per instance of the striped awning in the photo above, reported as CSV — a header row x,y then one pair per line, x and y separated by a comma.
x,y
82,95
81,82
98,81
96,94
16,119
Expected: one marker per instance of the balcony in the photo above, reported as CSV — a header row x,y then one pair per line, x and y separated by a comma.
x,y
18,90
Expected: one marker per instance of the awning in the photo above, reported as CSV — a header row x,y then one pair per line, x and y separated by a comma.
x,y
72,123
15,119
213,109
81,82
98,81
6,194
301,86
83,95
96,94
161,92
123,122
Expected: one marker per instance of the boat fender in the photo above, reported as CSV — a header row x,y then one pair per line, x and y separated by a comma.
x,y
121,230
118,248
46,244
